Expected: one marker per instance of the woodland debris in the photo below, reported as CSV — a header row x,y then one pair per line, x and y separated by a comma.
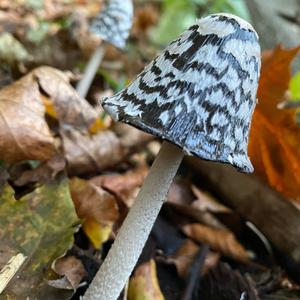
x,y
276,218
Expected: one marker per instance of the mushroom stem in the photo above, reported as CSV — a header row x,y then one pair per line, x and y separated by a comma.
x,y
90,71
129,243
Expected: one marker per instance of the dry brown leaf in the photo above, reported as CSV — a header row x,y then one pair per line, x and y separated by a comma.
x,y
185,256
181,198
72,271
44,172
87,153
23,127
144,283
218,239
144,18
96,207
79,29
10,21
131,137
181,194
24,133
206,202
125,186
71,109
92,202
49,11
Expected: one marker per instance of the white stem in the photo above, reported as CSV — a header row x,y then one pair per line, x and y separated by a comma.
x,y
90,71
124,253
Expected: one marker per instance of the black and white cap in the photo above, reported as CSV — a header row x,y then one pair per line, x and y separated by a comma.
x,y
114,22
200,92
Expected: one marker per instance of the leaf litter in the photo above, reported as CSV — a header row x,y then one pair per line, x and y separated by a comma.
x,y
54,133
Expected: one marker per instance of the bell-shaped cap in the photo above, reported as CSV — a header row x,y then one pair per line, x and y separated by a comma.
x,y
200,92
114,22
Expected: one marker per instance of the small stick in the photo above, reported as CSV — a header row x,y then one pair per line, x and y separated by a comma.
x,y
194,272
10,269
90,71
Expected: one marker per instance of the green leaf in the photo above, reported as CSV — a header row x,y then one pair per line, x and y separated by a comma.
x,y
176,17
115,85
37,34
40,226
11,50
236,7
294,87
34,4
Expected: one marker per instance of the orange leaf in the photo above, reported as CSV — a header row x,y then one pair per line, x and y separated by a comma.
x,y
96,232
49,106
274,146
98,125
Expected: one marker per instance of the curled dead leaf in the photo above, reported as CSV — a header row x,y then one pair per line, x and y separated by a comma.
x,y
182,198
124,186
70,108
105,149
23,129
219,239
92,202
91,153
45,172
206,202
72,271
96,207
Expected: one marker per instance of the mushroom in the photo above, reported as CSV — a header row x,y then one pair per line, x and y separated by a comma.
x,y
111,25
198,96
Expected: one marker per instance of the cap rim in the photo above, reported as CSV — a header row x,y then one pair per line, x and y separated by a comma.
x,y
243,165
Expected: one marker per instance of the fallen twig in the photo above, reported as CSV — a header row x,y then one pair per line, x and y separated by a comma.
x,y
10,269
